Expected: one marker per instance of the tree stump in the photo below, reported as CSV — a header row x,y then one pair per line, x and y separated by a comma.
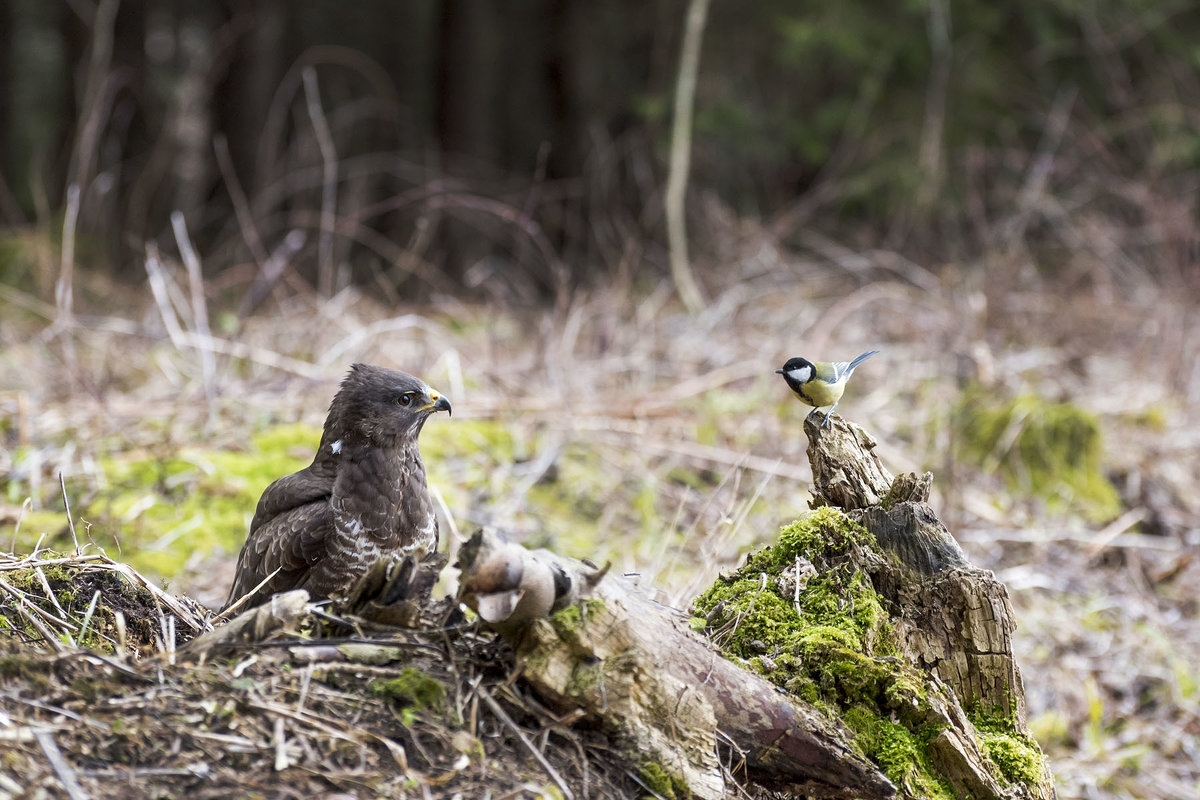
x,y
955,622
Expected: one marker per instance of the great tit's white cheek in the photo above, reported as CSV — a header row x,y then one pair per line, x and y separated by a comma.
x,y
801,374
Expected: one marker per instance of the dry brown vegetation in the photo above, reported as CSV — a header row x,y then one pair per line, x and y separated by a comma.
x,y
669,447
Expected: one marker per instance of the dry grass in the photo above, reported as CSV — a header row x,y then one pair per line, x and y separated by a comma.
x,y
685,410
310,710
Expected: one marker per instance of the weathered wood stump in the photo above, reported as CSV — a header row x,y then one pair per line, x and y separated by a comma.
x,y
955,621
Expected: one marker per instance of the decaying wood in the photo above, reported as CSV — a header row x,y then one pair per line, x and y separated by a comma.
x,y
284,610
955,621
636,666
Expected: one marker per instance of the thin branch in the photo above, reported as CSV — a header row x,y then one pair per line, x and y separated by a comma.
x,y
158,288
329,165
241,206
271,270
64,289
199,304
67,505
499,711
681,155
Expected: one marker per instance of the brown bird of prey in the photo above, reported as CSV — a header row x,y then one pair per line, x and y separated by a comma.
x,y
363,497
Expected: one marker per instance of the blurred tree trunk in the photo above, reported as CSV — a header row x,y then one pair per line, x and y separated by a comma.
x,y
36,105
560,63
461,113
191,122
408,54
250,86
10,211
122,139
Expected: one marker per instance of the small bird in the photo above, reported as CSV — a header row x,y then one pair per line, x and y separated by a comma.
x,y
363,497
820,383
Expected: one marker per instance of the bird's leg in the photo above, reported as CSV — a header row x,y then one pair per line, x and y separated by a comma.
x,y
810,414
829,414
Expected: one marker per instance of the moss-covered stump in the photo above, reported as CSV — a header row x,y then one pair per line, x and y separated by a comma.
x,y
867,609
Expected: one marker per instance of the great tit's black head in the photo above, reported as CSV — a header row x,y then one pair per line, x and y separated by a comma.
x,y
797,371
381,407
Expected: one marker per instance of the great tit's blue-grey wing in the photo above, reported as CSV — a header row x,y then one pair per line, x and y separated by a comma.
x,y
842,369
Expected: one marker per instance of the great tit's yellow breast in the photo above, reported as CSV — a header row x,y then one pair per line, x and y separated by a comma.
x,y
818,393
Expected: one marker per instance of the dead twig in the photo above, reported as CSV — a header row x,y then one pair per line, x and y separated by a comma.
x,y
199,304
503,716
64,771
241,206
681,155
67,504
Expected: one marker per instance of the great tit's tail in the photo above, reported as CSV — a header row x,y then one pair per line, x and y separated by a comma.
x,y
850,367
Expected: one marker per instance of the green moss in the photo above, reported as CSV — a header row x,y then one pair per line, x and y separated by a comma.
x,y
573,617
902,753
73,589
662,782
412,689
1051,450
832,644
825,532
832,641
1015,754
161,508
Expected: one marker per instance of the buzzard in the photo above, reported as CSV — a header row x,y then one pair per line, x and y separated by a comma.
x,y
363,497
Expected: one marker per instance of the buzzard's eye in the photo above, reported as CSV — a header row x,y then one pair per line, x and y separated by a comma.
x,y
405,399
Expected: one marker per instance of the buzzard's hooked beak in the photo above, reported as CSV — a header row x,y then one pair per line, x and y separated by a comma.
x,y
437,403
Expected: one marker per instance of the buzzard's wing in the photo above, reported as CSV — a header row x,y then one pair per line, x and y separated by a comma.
x,y
290,492
289,532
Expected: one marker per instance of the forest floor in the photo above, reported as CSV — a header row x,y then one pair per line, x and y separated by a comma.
x,y
1061,422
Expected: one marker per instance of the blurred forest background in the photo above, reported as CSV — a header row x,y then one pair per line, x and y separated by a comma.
x,y
532,136
208,210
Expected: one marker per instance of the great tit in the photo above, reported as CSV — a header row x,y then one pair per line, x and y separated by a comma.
x,y
821,383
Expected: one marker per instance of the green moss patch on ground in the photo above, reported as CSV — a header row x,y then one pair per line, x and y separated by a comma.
x,y
659,780
1054,451
159,510
412,688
